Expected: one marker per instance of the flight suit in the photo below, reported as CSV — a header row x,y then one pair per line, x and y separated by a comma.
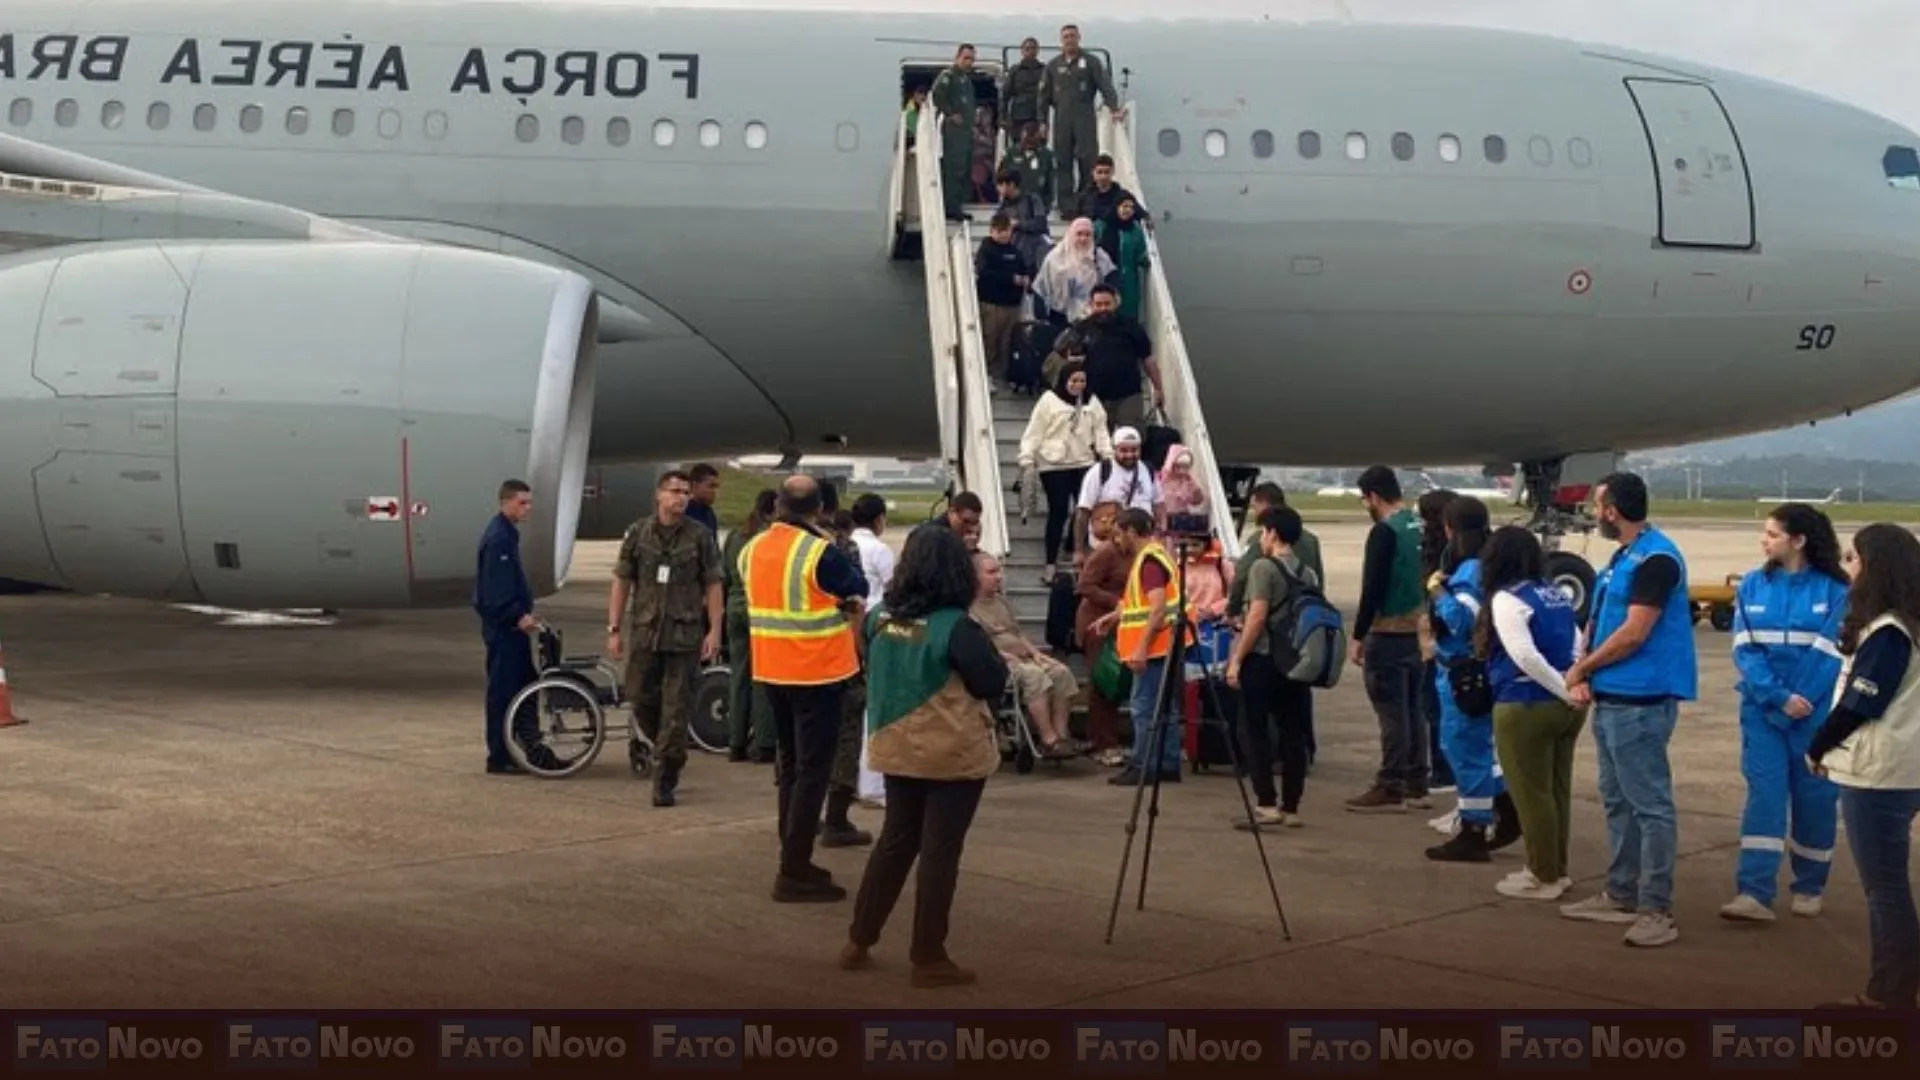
x,y
670,568
1036,168
749,719
1069,90
1020,98
501,597
953,98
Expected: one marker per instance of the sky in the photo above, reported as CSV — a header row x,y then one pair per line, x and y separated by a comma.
x,y
1854,50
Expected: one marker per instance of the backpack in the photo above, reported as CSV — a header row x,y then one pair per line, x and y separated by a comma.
x,y
1309,636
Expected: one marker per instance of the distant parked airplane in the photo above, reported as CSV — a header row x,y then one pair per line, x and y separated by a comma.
x,y
1832,497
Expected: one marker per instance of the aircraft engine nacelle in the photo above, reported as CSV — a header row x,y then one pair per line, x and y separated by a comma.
x,y
279,424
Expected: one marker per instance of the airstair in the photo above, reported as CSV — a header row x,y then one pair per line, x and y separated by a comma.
x,y
980,431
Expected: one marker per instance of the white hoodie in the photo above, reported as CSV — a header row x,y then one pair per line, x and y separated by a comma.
x,y
1061,435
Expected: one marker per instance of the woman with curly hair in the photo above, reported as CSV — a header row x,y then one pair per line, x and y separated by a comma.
x,y
1870,746
933,676
1786,630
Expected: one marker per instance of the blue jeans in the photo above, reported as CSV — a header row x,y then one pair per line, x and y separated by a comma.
x,y
1146,693
1636,788
1879,830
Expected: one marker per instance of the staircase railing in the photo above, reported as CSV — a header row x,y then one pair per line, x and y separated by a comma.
x,y
943,327
979,447
1157,316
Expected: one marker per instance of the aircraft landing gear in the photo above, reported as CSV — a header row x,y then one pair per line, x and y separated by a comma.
x,y
1559,510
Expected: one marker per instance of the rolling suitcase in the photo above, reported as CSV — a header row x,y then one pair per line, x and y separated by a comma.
x,y
1155,443
1062,604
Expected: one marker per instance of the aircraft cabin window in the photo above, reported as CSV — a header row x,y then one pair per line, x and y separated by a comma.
x,y
1495,148
205,117
1579,152
298,120
663,133
1215,144
1449,148
159,115
1169,142
1263,144
1402,146
619,131
1356,146
250,119
1540,149
20,113
343,122
112,115
573,131
756,135
1902,166
710,133
527,128
435,125
390,123
1309,144
67,112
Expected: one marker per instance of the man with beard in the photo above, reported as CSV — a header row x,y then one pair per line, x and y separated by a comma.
x,y
1386,643
1641,666
1118,353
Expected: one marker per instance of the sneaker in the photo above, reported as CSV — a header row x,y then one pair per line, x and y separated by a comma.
x,y
1467,845
1377,800
1653,929
1506,823
788,890
1807,907
1600,908
1443,789
847,835
943,974
1263,817
1292,819
1744,908
1525,886
1446,824
855,957
1418,801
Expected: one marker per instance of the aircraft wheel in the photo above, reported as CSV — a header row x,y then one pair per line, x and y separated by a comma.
x,y
1575,576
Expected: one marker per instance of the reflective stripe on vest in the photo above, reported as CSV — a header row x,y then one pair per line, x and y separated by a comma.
x,y
1136,610
798,636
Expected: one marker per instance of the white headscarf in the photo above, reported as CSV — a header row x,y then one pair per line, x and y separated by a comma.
x,y
1073,268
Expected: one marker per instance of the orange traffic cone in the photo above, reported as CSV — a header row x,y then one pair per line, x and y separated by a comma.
x,y
7,719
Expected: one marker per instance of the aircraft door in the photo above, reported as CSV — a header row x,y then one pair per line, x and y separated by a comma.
x,y
1706,198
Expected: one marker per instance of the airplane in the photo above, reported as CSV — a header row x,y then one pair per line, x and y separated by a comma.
x,y
285,301
1832,497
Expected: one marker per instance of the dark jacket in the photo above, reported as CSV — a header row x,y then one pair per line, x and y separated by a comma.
x,y
1030,229
1021,92
1101,205
997,268
501,595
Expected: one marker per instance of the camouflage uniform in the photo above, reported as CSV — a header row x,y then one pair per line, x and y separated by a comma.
x,y
953,98
667,621
749,717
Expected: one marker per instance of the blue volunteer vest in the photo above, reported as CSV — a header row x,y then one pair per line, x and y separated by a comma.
x,y
1664,666
1554,626
1456,615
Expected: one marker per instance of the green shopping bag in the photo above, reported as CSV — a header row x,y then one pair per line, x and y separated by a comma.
x,y
1113,679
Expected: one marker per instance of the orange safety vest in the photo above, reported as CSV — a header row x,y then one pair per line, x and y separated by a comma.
x,y
797,634
1136,609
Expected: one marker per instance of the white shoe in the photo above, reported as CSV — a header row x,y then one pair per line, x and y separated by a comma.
x,y
1653,929
1525,886
1295,821
1600,908
1744,908
1807,907
1418,802
1446,824
1443,789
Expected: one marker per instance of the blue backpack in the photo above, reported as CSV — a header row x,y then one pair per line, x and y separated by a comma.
x,y
1309,636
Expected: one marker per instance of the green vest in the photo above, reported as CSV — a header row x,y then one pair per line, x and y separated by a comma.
x,y
907,663
1407,594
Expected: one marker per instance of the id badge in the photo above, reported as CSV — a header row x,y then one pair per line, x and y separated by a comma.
x,y
664,575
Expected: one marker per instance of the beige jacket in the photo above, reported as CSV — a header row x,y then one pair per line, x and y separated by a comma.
x,y
1063,436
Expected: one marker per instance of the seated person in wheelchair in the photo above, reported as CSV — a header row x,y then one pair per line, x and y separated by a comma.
x,y
1045,685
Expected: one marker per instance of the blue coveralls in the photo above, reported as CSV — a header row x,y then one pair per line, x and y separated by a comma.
x,y
1468,740
501,596
1785,642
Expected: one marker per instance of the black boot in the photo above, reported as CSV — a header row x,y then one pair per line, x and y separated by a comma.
x,y
1506,822
663,785
737,754
1467,845
837,830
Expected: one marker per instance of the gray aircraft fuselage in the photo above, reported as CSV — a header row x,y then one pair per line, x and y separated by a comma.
x,y
1340,307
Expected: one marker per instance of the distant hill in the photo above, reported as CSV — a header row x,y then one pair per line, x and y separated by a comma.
x,y
1884,433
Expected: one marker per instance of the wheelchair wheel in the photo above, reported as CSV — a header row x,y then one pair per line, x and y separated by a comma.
x,y
708,727
565,729
640,757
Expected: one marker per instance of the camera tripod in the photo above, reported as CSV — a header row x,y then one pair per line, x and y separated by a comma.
x,y
1172,687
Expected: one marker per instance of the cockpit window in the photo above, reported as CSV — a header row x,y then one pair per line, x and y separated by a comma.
x,y
1903,167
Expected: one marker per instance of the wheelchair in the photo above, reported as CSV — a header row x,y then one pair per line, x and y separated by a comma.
x,y
1013,732
564,724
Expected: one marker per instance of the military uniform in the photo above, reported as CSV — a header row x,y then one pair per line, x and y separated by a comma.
x,y
670,568
1020,94
748,717
1069,90
953,98
1036,168
843,785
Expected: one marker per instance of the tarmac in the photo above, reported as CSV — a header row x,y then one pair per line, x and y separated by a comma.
x,y
206,815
